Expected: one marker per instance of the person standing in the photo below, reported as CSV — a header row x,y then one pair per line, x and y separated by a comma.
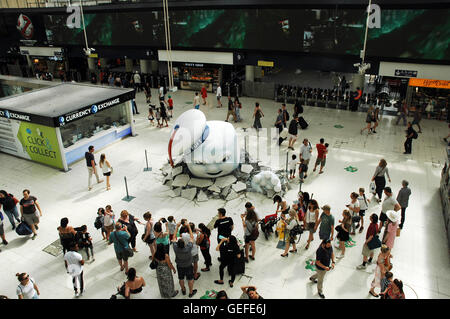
x,y
149,235
170,105
90,163
403,199
108,221
326,222
372,231
161,93
84,240
2,231
120,238
410,134
285,115
321,155
354,211
128,221
250,224
383,265
403,112
137,81
417,118
28,205
9,204
389,203
204,243
223,224
293,131
183,259
219,95
363,206
184,233
237,108
257,114
370,117
66,234
324,255
311,219
230,110
148,92
163,111
305,153
164,270
27,289
390,232
196,101
106,169
74,265
290,223
229,252
204,94
343,231
379,179
279,125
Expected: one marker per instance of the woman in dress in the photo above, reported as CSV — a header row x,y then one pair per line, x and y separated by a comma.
x,y
164,270
311,219
250,222
27,289
383,265
379,179
133,285
106,169
343,231
161,237
129,220
257,114
390,231
290,223
204,243
149,235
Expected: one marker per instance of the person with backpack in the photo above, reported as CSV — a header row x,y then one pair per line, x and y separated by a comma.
x,y
251,233
9,204
410,134
99,222
28,211
27,289
2,231
292,226
84,240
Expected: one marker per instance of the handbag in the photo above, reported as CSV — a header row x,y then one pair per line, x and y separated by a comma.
x,y
374,243
398,232
255,232
372,187
153,264
128,251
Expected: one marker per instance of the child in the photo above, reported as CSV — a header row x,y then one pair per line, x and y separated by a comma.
x,y
363,205
170,106
158,117
302,169
292,165
385,282
172,226
100,221
84,240
150,114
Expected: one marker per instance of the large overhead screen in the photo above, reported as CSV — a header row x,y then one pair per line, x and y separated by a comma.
x,y
413,34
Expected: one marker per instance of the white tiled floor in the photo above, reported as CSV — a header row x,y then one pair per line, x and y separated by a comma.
x,y
421,256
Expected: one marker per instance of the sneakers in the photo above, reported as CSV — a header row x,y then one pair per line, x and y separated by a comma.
x,y
77,294
34,237
361,267
321,295
193,293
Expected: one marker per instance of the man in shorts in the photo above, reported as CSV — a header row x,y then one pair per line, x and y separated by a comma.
x,y
389,203
28,212
183,259
230,109
305,153
293,131
321,155
170,106
120,240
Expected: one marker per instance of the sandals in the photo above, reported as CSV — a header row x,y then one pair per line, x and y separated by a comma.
x,y
196,277
205,269
283,255
293,250
252,258
373,294
218,282
361,229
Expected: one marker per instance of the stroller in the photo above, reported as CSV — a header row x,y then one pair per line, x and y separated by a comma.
x,y
268,223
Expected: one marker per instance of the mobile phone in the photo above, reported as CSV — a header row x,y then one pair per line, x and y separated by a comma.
x,y
221,237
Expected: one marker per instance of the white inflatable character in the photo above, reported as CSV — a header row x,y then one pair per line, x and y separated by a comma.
x,y
209,148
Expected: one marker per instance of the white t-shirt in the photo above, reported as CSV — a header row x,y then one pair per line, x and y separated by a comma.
x,y
73,263
219,91
26,291
305,151
186,237
108,221
161,91
292,164
196,100
353,205
362,203
388,204
105,168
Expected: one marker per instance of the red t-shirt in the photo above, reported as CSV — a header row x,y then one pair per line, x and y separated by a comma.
x,y
372,230
170,102
204,94
321,150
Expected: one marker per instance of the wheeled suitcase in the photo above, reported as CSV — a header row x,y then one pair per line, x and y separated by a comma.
x,y
23,229
302,123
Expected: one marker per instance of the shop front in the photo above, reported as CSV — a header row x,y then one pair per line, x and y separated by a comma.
x,y
193,76
55,125
430,95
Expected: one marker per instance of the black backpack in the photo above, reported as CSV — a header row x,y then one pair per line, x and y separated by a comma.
x,y
98,222
415,135
287,115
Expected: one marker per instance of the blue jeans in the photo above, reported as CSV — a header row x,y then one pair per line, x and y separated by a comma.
x,y
11,214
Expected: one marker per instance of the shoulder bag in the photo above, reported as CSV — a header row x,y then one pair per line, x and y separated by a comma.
x,y
374,243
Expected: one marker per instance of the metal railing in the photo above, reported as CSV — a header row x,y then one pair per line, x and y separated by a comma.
x,y
63,3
